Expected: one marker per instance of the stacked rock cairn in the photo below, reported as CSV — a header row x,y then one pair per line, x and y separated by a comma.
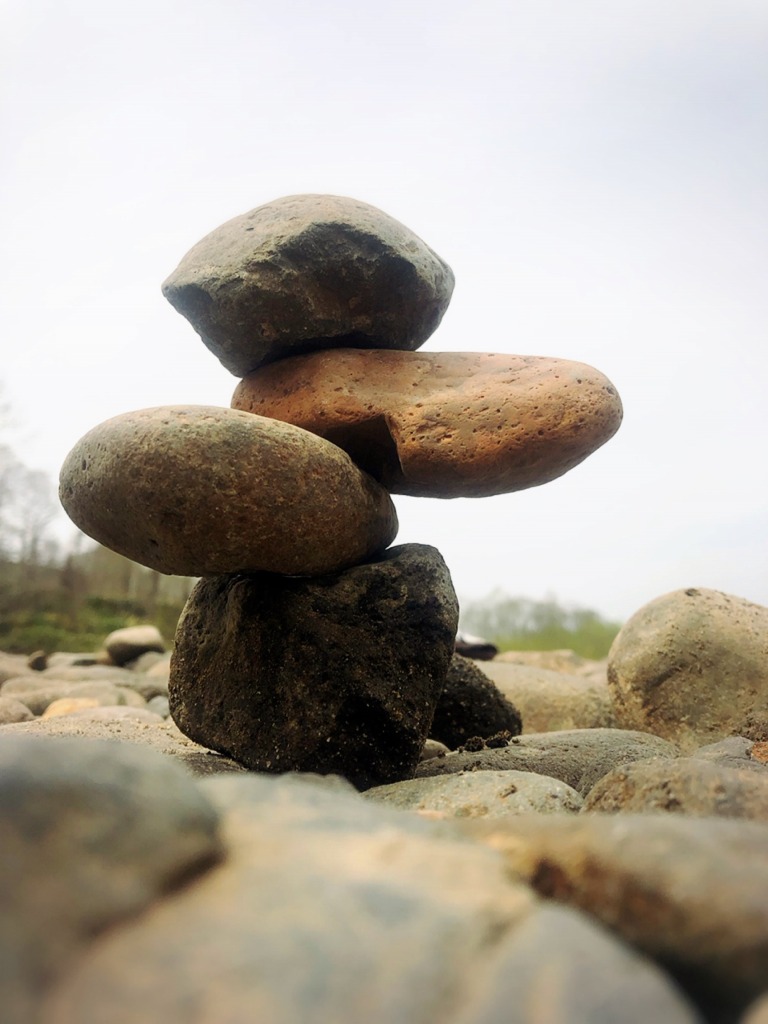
x,y
308,643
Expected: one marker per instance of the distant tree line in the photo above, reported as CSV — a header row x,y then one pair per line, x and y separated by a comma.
x,y
523,624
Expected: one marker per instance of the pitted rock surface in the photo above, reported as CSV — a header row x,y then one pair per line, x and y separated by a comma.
x,y
443,424
337,674
307,272
199,490
690,666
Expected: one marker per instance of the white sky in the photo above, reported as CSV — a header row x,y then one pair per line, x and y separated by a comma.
x,y
595,173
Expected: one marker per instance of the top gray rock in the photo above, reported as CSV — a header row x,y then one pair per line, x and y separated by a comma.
x,y
307,272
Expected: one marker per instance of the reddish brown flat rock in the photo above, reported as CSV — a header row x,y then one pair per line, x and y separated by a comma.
x,y
198,491
443,424
307,272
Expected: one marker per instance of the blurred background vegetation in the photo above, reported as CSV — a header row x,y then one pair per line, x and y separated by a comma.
x,y
58,595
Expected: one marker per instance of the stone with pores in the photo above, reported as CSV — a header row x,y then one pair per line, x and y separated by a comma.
x,y
443,424
690,665
199,491
338,674
307,272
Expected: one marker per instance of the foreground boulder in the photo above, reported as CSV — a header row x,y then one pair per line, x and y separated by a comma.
x,y
337,674
328,908
443,424
306,272
90,834
195,490
690,666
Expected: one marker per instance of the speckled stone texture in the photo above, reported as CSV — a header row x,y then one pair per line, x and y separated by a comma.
x,y
443,424
690,666
198,490
337,674
307,272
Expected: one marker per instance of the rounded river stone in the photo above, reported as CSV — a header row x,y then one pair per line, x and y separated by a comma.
x,y
443,424
306,272
199,490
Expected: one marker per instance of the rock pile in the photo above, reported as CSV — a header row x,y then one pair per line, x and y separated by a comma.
x,y
318,303
587,875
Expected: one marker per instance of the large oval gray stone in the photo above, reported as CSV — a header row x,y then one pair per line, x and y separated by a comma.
x,y
690,665
339,674
197,490
307,272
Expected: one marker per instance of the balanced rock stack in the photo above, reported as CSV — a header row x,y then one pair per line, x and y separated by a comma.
x,y
307,644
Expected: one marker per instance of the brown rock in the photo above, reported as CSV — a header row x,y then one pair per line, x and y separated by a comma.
x,y
198,490
307,272
443,424
690,892
684,786
690,665
68,705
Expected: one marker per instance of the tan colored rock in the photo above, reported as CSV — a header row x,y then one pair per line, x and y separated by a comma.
x,y
129,643
443,424
198,491
67,705
550,701
684,786
690,666
306,272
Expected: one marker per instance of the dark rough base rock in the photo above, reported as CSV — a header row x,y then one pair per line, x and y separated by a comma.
x,y
685,786
307,272
329,909
470,705
90,834
692,893
690,666
579,757
338,674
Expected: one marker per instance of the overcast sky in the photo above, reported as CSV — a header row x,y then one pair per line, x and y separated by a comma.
x,y
596,174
